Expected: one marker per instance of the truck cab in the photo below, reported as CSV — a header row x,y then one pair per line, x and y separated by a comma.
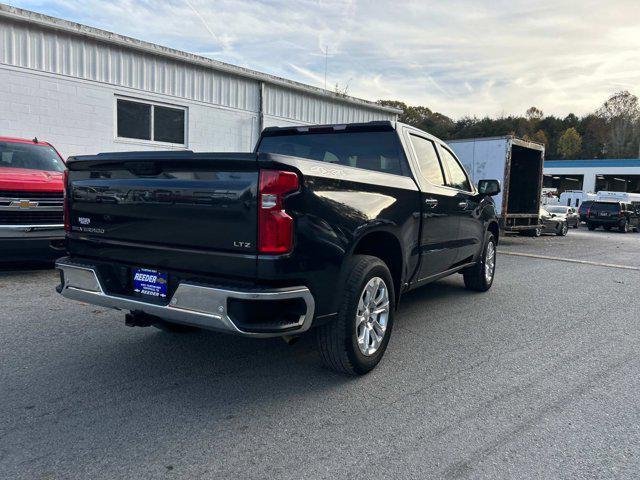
x,y
31,199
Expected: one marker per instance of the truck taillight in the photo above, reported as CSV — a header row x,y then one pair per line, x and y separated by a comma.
x,y
66,212
275,226
588,211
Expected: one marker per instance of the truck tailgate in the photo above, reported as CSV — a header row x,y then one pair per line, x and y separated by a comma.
x,y
171,199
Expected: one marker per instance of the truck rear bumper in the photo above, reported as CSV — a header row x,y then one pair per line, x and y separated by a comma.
x,y
290,310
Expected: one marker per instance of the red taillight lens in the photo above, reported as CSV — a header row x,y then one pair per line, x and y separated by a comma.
x,y
588,211
275,226
65,202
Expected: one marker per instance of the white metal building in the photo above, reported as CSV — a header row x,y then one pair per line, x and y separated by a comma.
x,y
88,90
594,175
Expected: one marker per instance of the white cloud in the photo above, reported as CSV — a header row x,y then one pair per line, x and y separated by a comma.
x,y
460,57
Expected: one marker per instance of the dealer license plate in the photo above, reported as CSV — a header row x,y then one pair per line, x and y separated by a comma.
x,y
150,283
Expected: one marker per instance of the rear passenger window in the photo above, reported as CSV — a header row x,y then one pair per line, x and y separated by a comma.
x,y
428,160
458,178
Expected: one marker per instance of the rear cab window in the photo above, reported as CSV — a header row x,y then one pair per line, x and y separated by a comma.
x,y
30,156
377,151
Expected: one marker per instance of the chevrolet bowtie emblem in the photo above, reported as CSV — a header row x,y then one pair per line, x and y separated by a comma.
x,y
24,204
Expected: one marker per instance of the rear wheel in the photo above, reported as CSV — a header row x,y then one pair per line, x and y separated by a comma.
x,y
480,276
624,227
591,226
607,227
355,342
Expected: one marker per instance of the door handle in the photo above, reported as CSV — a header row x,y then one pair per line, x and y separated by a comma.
x,y
431,202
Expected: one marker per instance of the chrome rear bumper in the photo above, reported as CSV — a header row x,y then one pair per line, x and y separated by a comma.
x,y
198,305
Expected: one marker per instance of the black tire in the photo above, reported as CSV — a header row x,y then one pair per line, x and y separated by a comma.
x,y
591,226
564,229
474,277
624,227
337,341
607,227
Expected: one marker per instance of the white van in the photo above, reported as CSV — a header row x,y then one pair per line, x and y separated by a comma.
x,y
573,198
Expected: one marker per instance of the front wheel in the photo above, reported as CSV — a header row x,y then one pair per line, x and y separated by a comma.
x,y
563,230
355,342
480,276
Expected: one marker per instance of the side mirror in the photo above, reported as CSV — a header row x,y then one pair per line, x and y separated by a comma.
x,y
489,187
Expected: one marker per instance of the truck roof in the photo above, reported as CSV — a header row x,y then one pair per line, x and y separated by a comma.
x,y
374,126
33,141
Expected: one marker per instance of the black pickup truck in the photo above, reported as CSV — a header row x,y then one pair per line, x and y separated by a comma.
x,y
322,227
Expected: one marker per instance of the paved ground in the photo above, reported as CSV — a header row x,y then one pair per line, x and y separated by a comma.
x,y
538,378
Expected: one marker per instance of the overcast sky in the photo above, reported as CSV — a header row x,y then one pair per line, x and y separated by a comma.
x,y
457,57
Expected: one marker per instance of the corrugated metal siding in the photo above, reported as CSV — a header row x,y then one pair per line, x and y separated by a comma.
x,y
307,108
28,46
31,46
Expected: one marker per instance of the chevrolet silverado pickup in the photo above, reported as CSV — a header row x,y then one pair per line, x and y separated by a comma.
x,y
31,191
322,227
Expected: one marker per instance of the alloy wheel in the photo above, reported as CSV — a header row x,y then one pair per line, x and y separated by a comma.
x,y
490,262
372,315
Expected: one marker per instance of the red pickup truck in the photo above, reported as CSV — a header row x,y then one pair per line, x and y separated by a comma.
x,y
31,199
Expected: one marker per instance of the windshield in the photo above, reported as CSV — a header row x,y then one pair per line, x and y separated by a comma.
x,y
562,210
380,151
30,156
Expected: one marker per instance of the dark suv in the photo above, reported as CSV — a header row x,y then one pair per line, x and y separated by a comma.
x,y
623,216
583,210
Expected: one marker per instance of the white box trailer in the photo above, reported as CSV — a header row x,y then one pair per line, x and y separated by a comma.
x,y
574,198
518,164
607,196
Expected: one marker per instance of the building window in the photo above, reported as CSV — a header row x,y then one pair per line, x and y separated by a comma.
x,y
148,121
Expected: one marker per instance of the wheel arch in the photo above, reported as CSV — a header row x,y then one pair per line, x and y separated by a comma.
x,y
495,229
386,246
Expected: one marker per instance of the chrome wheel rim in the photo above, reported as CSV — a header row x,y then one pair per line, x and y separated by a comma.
x,y
565,229
489,262
372,316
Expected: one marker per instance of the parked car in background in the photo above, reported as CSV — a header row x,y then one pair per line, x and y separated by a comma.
x,y
621,215
583,210
323,226
552,223
31,199
570,213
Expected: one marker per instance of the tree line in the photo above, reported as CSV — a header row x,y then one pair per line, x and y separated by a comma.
x,y
611,131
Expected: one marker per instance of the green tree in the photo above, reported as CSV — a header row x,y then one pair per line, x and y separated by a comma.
x,y
538,137
570,143
621,112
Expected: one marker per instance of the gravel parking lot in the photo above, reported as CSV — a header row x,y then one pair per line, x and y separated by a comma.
x,y
540,377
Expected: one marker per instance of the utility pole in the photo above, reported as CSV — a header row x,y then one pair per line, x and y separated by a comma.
x,y
326,59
